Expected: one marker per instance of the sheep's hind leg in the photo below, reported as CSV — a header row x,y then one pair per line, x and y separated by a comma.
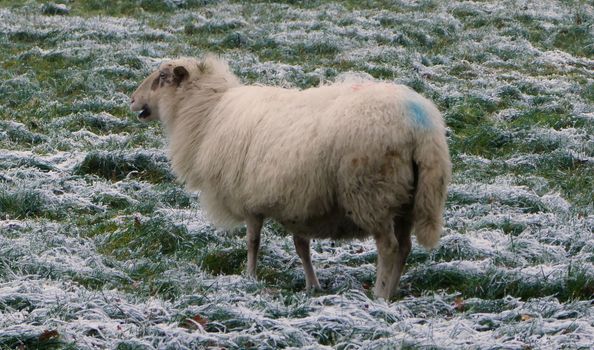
x,y
254,226
387,255
402,229
302,248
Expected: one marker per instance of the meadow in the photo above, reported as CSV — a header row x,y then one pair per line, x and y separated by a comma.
x,y
100,247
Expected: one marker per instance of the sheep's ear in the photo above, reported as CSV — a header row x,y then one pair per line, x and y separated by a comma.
x,y
180,74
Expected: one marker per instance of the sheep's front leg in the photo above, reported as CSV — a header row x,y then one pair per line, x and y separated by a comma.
x,y
254,226
387,257
302,248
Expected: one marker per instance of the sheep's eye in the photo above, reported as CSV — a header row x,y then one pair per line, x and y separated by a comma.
x,y
162,75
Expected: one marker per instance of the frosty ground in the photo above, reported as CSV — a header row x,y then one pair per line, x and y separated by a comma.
x,y
101,248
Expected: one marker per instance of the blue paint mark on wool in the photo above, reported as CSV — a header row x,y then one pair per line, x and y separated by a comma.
x,y
419,115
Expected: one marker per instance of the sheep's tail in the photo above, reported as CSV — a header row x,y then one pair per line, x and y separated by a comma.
x,y
432,170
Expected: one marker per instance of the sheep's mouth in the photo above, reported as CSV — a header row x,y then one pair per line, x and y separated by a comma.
x,y
144,113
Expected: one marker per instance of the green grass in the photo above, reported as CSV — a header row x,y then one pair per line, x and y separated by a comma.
x,y
154,238
118,8
34,341
226,261
24,136
497,283
576,39
116,167
23,203
96,123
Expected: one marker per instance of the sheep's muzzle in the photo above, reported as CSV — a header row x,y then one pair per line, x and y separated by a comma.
x,y
144,113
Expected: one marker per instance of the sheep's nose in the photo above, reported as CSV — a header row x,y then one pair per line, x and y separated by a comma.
x,y
132,100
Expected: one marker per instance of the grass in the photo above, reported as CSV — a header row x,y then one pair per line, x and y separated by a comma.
x,y
22,204
498,283
116,167
23,136
99,243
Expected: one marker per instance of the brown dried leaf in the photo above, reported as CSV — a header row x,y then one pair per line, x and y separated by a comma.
x,y
191,323
47,335
459,304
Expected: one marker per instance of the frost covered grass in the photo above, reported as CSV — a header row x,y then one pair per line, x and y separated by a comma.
x,y
101,248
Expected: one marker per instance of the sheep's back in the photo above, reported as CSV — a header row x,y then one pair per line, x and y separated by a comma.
x,y
277,152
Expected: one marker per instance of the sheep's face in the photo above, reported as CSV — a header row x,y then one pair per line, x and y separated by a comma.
x,y
156,90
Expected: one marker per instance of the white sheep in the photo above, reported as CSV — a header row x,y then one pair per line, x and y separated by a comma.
x,y
339,161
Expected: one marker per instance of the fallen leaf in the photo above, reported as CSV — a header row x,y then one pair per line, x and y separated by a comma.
x,y
193,322
459,304
47,335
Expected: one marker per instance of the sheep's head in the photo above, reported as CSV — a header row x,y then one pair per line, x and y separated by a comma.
x,y
158,88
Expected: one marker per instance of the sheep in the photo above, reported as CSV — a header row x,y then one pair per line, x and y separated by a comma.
x,y
339,161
